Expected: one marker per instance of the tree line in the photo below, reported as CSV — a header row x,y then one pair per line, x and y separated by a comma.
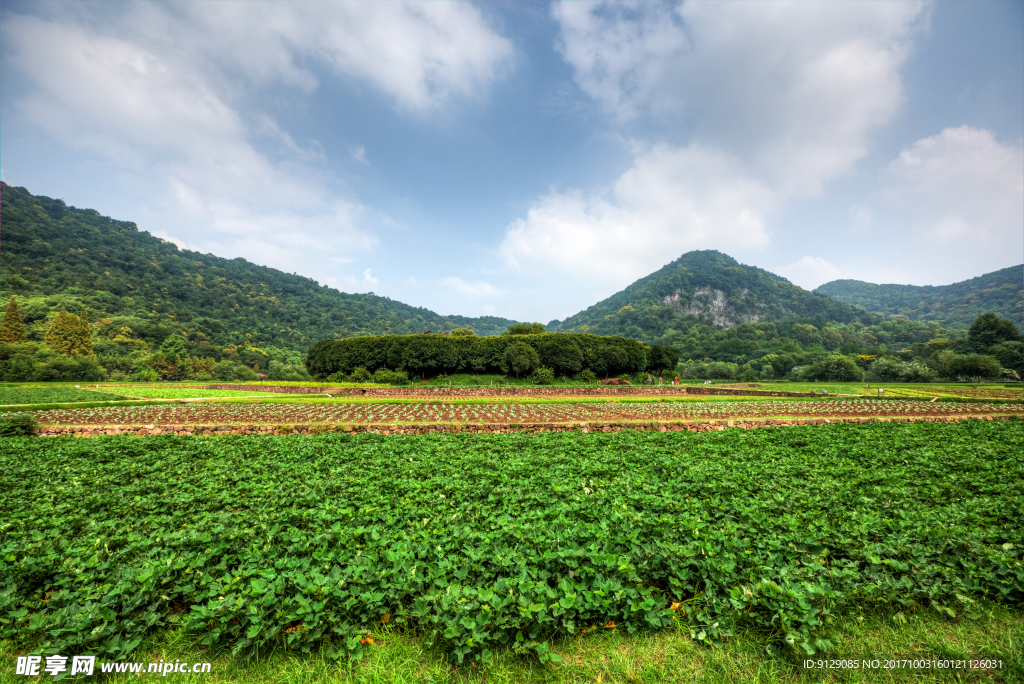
x,y
76,349
894,350
523,351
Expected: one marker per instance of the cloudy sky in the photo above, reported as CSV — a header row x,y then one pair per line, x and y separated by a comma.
x,y
529,159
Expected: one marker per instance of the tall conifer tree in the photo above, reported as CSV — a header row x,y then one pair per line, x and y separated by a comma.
x,y
12,331
69,335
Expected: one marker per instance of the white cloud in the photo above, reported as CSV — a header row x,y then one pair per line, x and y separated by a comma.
x,y
155,92
792,87
478,288
671,200
181,244
193,156
961,183
348,283
778,99
952,203
420,54
358,153
809,272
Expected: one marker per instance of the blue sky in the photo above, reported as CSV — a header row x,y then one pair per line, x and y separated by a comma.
x,y
529,159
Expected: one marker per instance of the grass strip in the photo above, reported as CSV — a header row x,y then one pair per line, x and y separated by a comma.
x,y
609,656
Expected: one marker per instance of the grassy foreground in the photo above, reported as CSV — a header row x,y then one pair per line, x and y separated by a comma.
x,y
494,548
613,656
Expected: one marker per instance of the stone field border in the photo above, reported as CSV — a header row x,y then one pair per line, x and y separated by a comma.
x,y
477,428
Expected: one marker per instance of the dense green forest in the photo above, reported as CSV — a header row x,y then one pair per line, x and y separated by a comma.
x,y
86,297
951,306
709,288
735,322
519,353
892,350
138,291
57,256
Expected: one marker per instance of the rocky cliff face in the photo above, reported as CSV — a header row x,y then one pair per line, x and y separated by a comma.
x,y
711,303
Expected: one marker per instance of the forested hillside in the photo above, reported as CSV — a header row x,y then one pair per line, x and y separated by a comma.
x,y
951,306
56,256
705,287
730,321
86,297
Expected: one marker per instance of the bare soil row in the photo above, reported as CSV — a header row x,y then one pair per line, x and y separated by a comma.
x,y
337,413
477,428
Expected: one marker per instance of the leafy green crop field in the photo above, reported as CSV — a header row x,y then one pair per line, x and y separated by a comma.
x,y
920,390
53,395
481,544
172,392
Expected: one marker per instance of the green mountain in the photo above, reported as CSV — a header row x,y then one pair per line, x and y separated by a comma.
x,y
710,288
56,256
951,306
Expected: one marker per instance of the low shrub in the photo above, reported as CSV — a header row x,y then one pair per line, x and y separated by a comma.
x,y
390,377
543,376
17,424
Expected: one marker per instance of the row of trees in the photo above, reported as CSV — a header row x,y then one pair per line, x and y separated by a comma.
x,y
907,350
69,353
990,349
840,368
520,352
74,348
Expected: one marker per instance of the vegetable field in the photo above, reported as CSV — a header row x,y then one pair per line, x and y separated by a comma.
x,y
12,394
333,413
172,392
925,390
480,543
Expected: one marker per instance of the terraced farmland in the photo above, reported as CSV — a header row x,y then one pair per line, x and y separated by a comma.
x,y
341,413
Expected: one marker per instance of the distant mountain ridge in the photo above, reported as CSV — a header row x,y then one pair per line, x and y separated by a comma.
x,y
708,286
951,306
54,256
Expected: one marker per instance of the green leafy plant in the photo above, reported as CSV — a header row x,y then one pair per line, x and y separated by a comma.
x,y
543,376
17,424
384,376
481,543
